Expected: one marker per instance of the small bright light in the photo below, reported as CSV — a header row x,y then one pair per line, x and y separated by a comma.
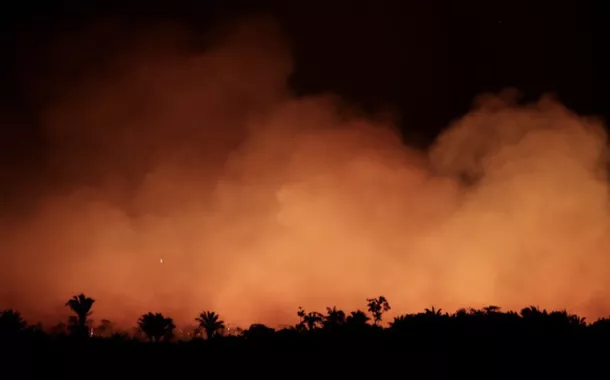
x,y
161,260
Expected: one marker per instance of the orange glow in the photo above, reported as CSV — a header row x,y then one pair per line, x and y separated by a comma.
x,y
183,181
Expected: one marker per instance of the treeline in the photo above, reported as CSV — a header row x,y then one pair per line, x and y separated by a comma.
x,y
489,342
155,327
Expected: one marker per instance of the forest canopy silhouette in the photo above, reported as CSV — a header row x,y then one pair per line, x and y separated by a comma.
x,y
182,174
490,338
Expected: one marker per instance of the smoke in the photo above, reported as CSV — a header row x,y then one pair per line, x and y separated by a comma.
x,y
180,179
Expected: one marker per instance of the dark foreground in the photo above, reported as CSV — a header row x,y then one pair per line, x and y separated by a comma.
x,y
484,343
434,347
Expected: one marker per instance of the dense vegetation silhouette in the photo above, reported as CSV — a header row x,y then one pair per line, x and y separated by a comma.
x,y
487,338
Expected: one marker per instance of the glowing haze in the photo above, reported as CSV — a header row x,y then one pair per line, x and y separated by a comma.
x,y
258,202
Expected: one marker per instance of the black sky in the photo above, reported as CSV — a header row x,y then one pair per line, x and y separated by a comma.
x,y
426,60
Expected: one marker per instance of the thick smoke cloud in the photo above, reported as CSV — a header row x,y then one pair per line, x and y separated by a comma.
x,y
258,202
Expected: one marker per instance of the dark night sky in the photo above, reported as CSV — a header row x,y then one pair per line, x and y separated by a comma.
x,y
425,59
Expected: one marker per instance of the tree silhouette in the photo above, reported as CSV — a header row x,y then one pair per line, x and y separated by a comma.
x,y
357,318
301,314
309,321
156,326
431,323
334,317
491,309
74,327
105,328
81,305
402,322
563,322
258,331
313,320
460,313
533,313
11,323
378,306
433,312
210,322
59,329
601,327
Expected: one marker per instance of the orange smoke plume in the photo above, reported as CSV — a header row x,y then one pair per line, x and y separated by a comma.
x,y
180,179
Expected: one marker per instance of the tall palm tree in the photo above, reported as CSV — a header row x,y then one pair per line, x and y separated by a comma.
x,y
156,326
81,305
211,323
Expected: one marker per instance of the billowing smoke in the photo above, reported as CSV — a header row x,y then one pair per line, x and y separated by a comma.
x,y
181,178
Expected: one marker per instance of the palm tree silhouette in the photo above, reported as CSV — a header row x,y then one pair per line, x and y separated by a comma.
x,y
433,312
81,305
313,320
533,312
309,321
156,326
211,323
